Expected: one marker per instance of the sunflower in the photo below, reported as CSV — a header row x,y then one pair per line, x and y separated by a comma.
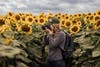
x,y
59,14
49,16
90,27
68,23
59,17
79,23
62,22
41,21
74,29
25,28
74,22
29,20
98,24
74,15
9,14
98,12
23,19
67,17
86,18
2,22
17,18
79,15
96,17
41,15
36,19
89,14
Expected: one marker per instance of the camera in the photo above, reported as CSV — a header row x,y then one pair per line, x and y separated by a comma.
x,y
46,26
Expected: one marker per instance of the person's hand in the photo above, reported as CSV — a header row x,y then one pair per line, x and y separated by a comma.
x,y
49,31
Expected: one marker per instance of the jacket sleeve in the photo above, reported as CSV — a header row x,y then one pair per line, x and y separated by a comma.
x,y
55,42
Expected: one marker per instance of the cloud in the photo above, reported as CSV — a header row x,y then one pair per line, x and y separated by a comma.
x,y
37,6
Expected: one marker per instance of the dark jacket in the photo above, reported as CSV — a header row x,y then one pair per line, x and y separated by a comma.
x,y
55,41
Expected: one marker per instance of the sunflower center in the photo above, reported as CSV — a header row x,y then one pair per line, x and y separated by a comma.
x,y
23,19
96,18
74,22
58,17
30,19
98,13
2,22
25,28
74,28
41,20
66,17
89,13
98,23
63,22
90,27
36,20
68,24
10,14
17,17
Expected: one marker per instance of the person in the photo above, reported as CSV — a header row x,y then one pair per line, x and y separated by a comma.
x,y
55,37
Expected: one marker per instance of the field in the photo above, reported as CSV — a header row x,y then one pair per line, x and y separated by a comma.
x,y
21,38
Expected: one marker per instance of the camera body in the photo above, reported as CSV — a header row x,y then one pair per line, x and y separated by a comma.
x,y
46,26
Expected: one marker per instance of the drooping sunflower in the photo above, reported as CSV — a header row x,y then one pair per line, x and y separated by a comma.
x,y
29,20
68,23
90,27
74,29
25,28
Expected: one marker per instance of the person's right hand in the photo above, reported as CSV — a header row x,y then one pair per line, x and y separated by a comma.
x,y
49,31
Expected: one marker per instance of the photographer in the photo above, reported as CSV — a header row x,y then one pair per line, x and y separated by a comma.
x,y
55,38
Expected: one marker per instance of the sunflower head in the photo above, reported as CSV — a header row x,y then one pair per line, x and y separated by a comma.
x,y
96,17
74,29
17,17
2,22
68,23
41,21
98,12
74,22
26,29
29,19
62,22
98,24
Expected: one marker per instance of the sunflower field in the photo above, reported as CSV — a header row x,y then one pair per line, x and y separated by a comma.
x,y
21,38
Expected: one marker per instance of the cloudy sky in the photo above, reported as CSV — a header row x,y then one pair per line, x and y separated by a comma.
x,y
37,6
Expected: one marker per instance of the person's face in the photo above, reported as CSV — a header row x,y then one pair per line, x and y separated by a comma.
x,y
55,27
